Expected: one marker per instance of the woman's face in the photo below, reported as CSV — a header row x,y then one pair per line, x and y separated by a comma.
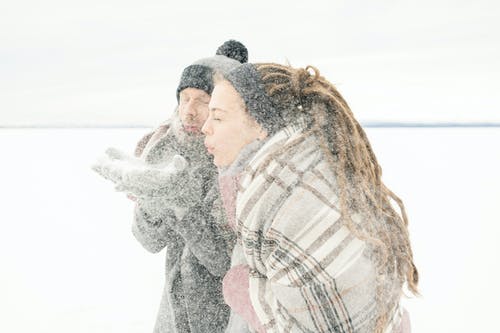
x,y
228,127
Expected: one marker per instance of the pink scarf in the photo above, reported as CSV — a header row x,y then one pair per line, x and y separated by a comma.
x,y
235,283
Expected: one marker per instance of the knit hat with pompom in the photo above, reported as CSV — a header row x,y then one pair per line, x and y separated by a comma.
x,y
199,75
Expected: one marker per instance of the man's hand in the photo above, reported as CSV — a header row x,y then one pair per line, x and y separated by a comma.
x,y
135,177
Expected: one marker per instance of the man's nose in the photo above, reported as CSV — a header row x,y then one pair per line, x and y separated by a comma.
x,y
191,109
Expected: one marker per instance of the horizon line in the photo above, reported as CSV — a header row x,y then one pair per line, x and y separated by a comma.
x,y
367,124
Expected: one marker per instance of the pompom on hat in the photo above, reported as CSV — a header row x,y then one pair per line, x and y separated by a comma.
x,y
199,75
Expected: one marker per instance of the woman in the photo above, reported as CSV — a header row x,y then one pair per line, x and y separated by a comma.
x,y
325,250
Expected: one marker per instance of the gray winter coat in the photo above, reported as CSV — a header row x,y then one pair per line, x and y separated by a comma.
x,y
198,245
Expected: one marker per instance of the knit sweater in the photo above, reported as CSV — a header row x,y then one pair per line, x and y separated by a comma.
x,y
198,245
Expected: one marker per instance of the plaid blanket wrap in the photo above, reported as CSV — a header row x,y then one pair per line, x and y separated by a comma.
x,y
308,273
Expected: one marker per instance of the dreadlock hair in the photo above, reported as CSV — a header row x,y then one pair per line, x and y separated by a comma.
x,y
357,172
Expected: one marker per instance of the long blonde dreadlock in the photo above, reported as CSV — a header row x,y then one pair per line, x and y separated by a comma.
x,y
355,166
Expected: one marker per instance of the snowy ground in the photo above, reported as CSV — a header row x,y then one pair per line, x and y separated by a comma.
x,y
69,263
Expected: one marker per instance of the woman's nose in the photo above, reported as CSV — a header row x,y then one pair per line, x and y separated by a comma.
x,y
206,128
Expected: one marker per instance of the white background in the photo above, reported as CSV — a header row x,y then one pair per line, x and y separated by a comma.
x,y
117,62
68,260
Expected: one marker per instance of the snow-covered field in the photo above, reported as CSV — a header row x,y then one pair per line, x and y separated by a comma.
x,y
69,263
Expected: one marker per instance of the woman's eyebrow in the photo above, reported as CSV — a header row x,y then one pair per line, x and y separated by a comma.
x,y
217,109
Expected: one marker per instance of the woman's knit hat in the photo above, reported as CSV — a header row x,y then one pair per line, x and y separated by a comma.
x,y
247,82
199,75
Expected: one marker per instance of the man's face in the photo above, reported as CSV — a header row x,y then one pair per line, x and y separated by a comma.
x,y
228,128
193,109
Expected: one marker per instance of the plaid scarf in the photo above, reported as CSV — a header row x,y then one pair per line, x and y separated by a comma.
x,y
308,272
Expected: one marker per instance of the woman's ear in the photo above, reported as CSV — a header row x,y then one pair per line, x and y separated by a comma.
x,y
259,130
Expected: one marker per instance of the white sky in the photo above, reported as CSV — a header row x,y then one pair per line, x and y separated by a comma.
x,y
117,63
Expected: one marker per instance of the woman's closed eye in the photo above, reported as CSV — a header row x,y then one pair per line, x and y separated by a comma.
x,y
217,116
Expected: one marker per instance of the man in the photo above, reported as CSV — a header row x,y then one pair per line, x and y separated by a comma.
x,y
189,222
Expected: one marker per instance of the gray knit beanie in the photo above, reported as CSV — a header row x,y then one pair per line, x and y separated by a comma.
x,y
247,82
199,75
